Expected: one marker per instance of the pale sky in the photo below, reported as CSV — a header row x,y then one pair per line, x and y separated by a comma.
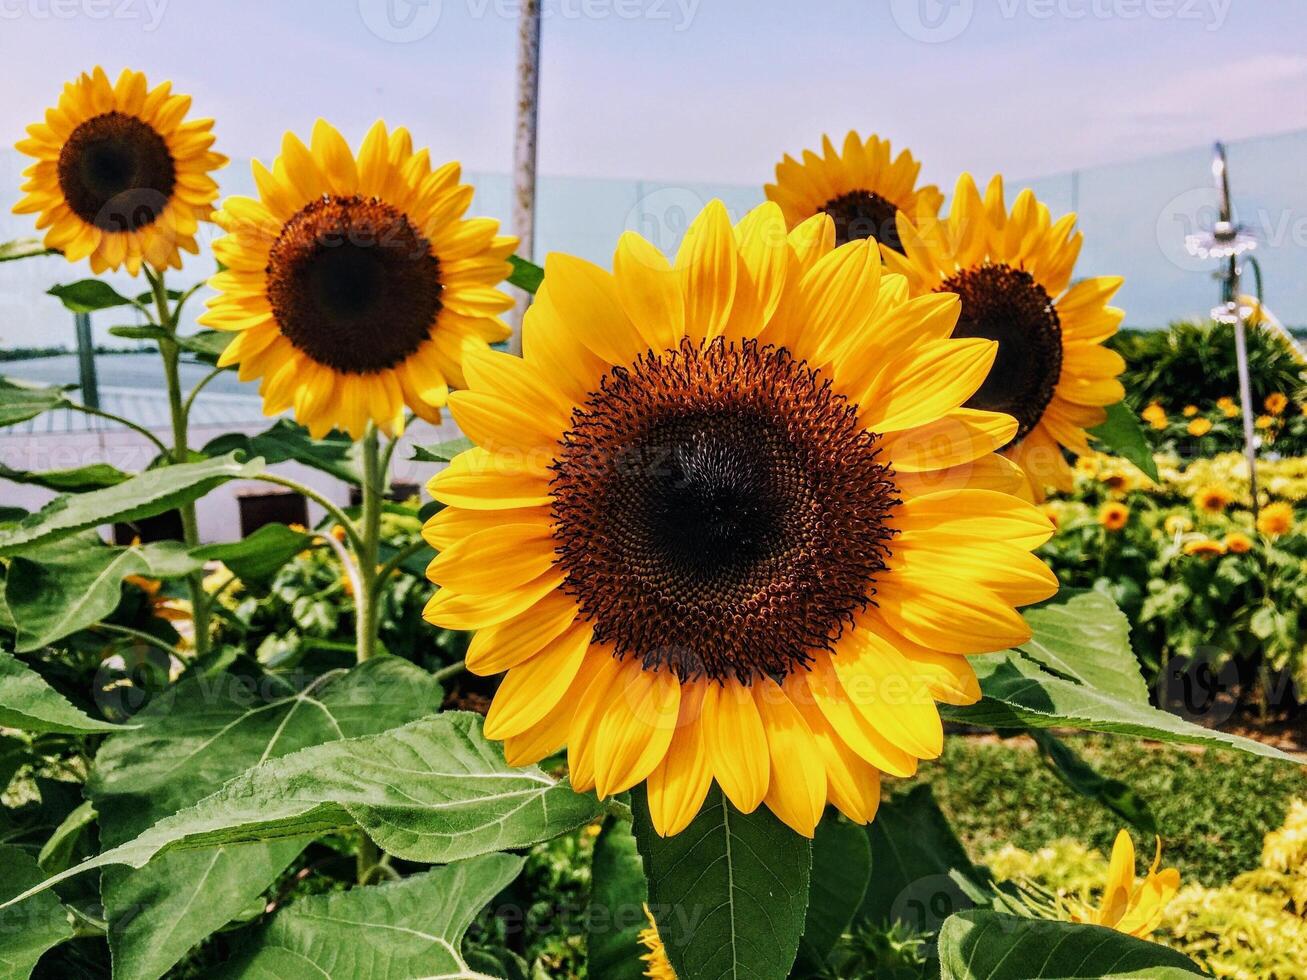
x,y
708,90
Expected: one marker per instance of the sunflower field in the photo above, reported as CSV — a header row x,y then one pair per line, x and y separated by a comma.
x,y
645,681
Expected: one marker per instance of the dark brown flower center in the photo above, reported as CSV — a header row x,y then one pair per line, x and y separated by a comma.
x,y
720,512
353,284
1007,305
116,172
862,214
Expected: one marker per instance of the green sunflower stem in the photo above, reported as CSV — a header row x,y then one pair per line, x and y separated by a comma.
x,y
178,409
366,598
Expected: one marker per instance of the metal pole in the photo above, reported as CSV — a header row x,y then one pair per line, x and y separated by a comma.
x,y
524,149
86,361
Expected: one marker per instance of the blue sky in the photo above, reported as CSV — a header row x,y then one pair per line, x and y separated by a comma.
x,y
710,90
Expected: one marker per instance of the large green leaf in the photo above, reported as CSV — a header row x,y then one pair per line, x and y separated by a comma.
x,y
1083,636
193,739
984,945
1121,434
32,926
841,869
257,558
729,892
56,589
88,295
206,345
525,275
28,703
336,454
20,401
94,476
918,864
24,248
144,495
1020,694
1080,776
406,930
618,894
432,791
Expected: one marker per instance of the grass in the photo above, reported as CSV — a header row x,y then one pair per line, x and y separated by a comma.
x,y
1212,806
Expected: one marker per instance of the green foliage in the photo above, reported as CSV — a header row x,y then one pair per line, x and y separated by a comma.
x,y
20,401
28,703
525,275
841,875
1122,435
617,899
88,295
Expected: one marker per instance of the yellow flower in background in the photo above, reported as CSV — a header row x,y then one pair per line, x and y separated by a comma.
x,y
1238,543
1275,519
1204,548
1013,274
1276,403
1265,422
121,175
657,966
1213,498
354,284
1178,524
1200,427
862,187
1190,411
1126,907
1114,516
1155,416
1053,513
683,498
1228,406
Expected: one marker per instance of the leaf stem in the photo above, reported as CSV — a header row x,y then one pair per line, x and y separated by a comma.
x,y
365,598
397,559
338,515
190,399
452,670
138,635
159,444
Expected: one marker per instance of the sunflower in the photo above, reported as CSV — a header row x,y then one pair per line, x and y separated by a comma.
x,y
1213,498
1275,519
1276,403
1126,907
1013,272
355,285
1228,406
1200,427
1238,543
1114,516
121,175
724,518
1154,415
1204,548
1189,411
862,188
656,964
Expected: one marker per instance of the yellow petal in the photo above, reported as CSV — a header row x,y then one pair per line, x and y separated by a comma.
x,y
530,690
737,743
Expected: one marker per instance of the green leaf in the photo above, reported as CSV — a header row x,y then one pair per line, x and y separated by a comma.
x,y
28,703
88,295
729,892
20,401
1083,636
1080,776
618,894
1123,435
191,740
144,495
432,791
57,852
525,275
206,345
147,332
32,926
985,945
24,248
337,454
67,585
94,476
1019,694
257,558
841,869
916,858
442,452
406,929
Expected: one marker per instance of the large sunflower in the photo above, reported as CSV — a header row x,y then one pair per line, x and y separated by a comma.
x,y
121,175
862,188
1013,273
721,522
356,286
